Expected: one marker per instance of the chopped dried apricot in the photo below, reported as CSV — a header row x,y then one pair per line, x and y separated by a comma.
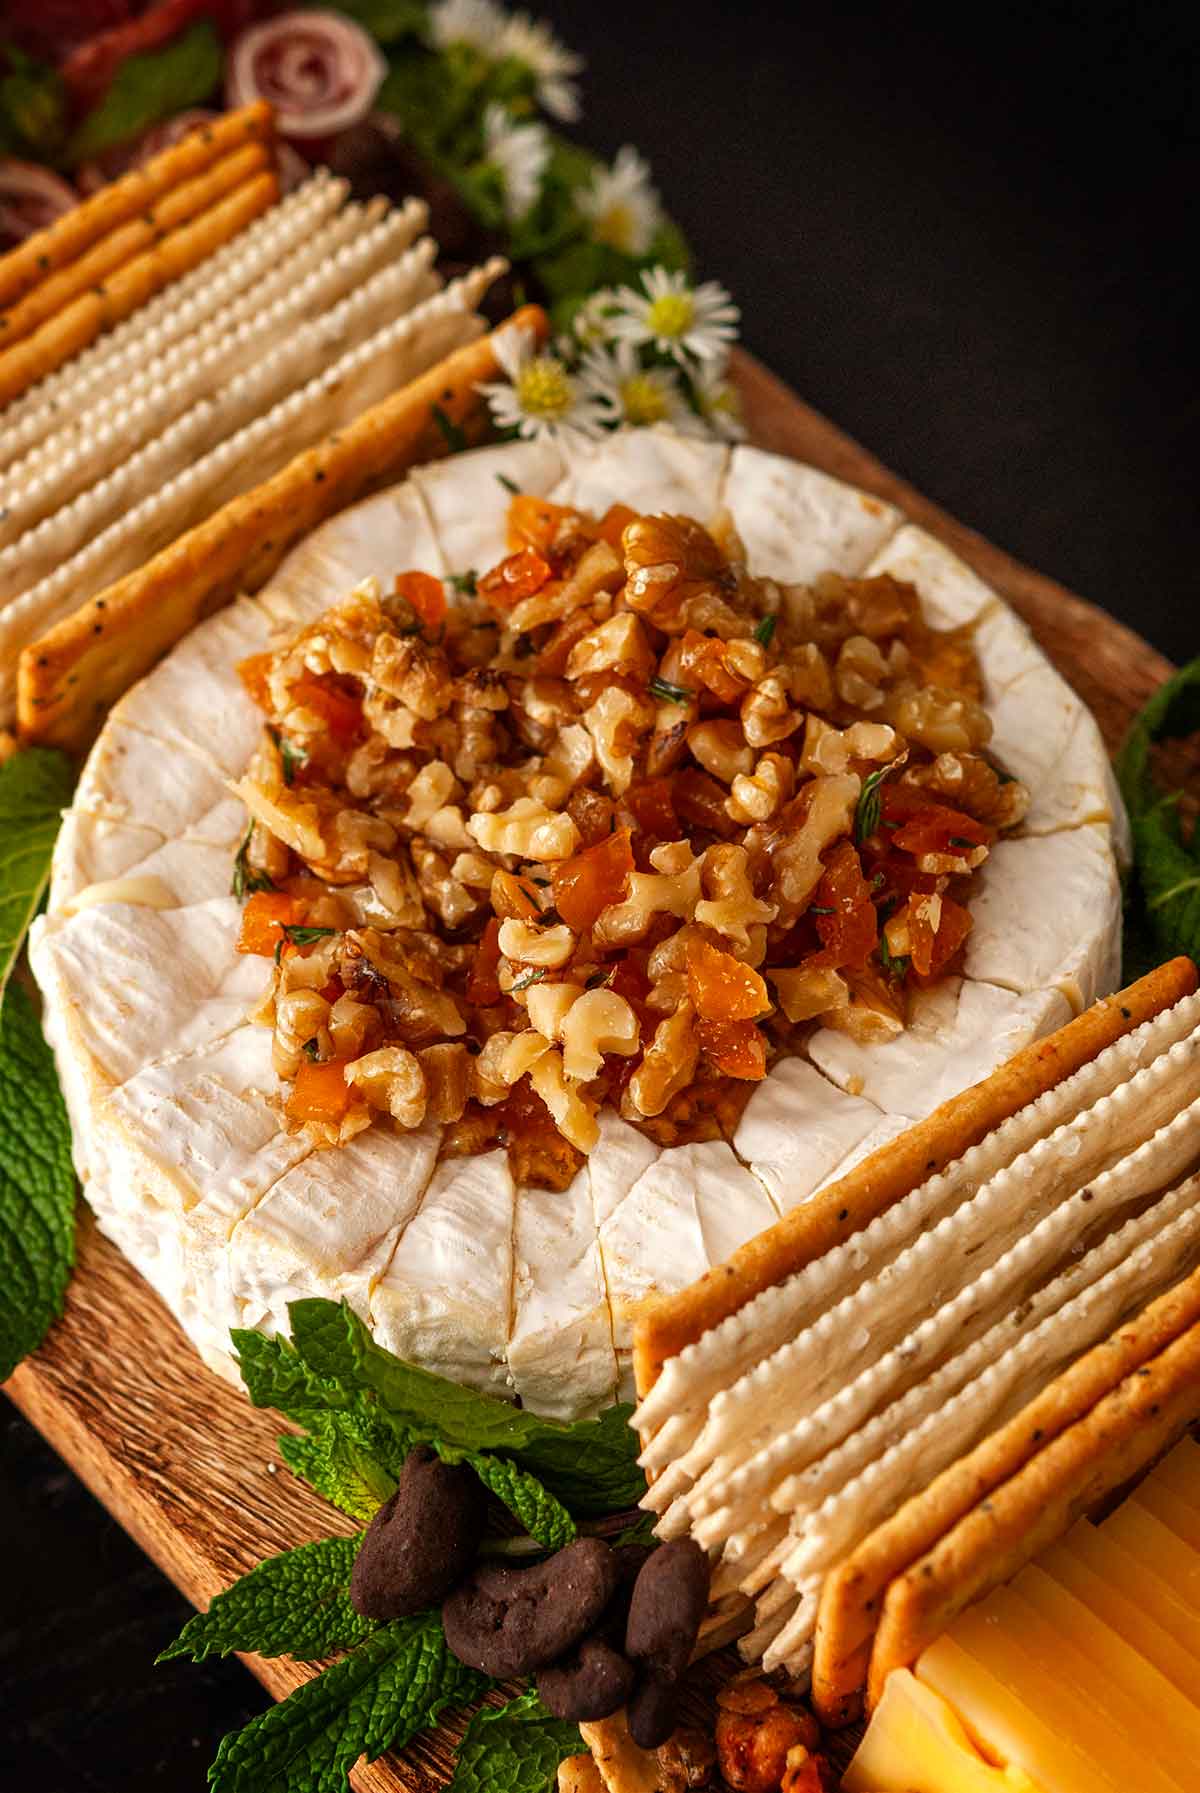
x,y
704,661
253,673
264,918
320,1092
700,801
551,659
425,594
845,915
538,1155
589,881
734,1048
515,578
614,523
339,710
722,987
513,899
536,523
937,927
652,806
483,983
925,827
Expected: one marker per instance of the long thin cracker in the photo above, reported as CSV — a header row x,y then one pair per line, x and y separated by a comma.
x,y
82,321
70,236
68,679
1115,1441
854,1592
668,1324
176,207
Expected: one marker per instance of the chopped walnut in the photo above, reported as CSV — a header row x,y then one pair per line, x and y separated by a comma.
x,y
599,1021
414,673
614,721
619,645
942,721
530,945
795,851
574,1118
450,901
758,795
968,782
673,888
830,750
810,681
301,1019
766,711
804,993
392,1080
721,749
668,1064
730,906
548,1005
527,829
859,673
447,1071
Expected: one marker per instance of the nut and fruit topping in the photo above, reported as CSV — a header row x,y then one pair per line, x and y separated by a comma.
x,y
621,825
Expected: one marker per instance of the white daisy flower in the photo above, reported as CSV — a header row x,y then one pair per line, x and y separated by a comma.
x,y
680,320
635,394
592,321
479,23
533,43
544,397
520,152
719,401
622,205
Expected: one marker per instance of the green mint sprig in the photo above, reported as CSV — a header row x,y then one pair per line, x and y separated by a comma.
x,y
294,1604
37,1185
514,1749
35,788
1163,900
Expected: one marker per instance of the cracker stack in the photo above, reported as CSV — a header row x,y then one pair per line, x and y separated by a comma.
x,y
166,348
1001,1309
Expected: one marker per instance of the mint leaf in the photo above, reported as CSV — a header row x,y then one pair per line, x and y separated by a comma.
x,y
394,1685
336,1465
526,1498
516,1749
1165,903
35,787
295,1604
150,85
276,1376
37,1185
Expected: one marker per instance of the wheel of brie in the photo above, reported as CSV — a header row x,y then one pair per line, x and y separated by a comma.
x,y
185,1060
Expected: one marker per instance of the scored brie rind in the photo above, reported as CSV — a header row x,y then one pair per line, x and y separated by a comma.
x,y
539,1301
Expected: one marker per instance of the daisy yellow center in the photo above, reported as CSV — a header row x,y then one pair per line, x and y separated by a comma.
x,y
673,314
544,388
643,400
617,227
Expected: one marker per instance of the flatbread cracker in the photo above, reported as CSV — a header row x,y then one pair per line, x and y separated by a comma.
x,y
668,1324
1105,1446
176,206
240,547
69,236
99,309
853,1593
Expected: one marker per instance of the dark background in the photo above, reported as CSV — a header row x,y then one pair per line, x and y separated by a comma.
x,y
971,251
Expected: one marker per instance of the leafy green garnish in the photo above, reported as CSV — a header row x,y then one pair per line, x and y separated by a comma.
x,y
35,787
870,806
246,879
149,86
1164,899
333,1458
526,1498
294,934
294,1604
765,630
291,756
895,965
510,485
527,978
452,433
37,1185
395,1684
516,1749
669,693
466,583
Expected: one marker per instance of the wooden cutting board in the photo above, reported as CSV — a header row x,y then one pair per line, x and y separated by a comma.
x,y
183,1462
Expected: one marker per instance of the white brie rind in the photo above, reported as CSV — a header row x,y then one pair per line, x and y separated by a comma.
x,y
389,532
329,1226
796,523
951,594
445,1299
679,475
561,1356
959,1032
467,499
689,1210
797,1129
1065,890
109,861
128,777
133,983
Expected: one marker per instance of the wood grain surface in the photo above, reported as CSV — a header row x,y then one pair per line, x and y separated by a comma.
x,y
179,1457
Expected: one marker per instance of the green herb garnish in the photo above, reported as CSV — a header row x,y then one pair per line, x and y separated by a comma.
x,y
960,840
246,879
291,755
530,977
35,788
895,965
295,935
820,909
465,583
669,693
1163,900
765,630
870,806
452,433
510,485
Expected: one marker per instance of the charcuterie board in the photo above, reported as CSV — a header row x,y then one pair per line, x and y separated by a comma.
x,y
178,1456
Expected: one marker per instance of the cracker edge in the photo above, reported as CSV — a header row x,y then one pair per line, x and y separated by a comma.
x,y
112,300
667,1323
50,250
1125,1431
68,679
853,1594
